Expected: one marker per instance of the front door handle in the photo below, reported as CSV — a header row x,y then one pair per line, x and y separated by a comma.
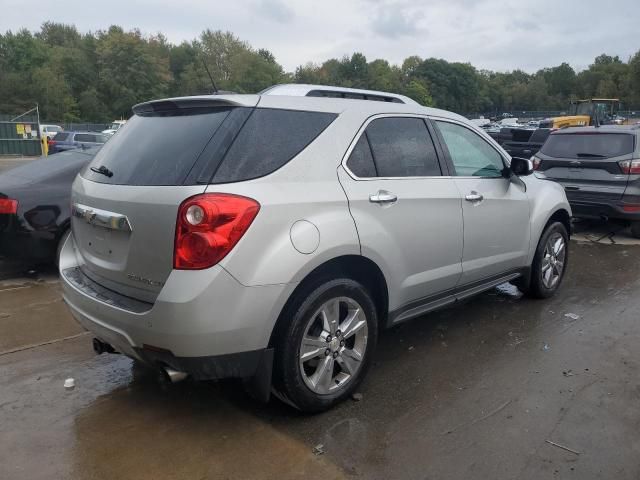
x,y
383,197
474,197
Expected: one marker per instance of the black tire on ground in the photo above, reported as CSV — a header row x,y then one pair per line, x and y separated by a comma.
x,y
537,288
289,384
635,229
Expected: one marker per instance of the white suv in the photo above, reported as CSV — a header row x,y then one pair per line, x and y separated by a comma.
x,y
270,237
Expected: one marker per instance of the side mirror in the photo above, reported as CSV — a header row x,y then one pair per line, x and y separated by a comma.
x,y
521,166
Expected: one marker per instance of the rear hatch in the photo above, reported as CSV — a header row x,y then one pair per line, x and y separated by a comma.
x,y
586,162
125,202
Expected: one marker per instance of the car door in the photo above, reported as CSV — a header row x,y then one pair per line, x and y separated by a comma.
x,y
495,207
408,215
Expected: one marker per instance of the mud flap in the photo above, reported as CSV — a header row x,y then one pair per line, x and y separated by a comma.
x,y
259,386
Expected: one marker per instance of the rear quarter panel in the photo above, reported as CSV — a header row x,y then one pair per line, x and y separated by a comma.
x,y
305,189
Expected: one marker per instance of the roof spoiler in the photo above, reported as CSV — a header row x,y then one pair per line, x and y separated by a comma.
x,y
204,101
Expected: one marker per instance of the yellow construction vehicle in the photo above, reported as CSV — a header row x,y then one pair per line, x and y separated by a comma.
x,y
582,113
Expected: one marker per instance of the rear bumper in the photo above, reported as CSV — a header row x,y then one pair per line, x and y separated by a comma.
x,y
203,322
600,209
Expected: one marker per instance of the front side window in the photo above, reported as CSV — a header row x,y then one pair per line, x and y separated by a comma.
x,y
471,155
402,147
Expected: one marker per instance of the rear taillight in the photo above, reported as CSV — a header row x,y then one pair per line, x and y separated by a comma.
x,y
630,167
209,226
536,162
8,205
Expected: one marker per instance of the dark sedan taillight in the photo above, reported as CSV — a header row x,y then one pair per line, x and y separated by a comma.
x,y
630,167
8,206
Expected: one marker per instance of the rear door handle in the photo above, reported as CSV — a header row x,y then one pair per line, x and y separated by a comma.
x,y
474,197
383,197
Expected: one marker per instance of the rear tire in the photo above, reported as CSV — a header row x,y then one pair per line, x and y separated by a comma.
x,y
635,229
550,262
326,347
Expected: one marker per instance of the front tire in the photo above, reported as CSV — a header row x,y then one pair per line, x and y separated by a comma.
x,y
326,347
550,261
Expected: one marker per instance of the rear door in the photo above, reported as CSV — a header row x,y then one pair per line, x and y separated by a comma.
x,y
587,163
407,213
495,209
126,202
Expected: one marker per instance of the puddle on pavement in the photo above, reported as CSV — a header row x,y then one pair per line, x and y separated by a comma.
x,y
431,376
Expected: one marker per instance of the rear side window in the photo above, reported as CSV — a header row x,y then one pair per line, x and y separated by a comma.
x,y
158,148
402,147
269,139
61,136
89,137
361,161
586,145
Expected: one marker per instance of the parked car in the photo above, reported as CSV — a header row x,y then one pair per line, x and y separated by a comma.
x,y
599,168
270,237
64,141
525,143
35,206
49,131
114,127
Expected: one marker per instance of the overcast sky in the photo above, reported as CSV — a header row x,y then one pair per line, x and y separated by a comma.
x,y
493,34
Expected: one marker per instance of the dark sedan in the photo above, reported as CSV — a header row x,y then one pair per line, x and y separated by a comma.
x,y
64,141
35,206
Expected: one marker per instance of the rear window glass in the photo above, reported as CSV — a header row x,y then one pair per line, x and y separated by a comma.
x,y
540,135
596,145
268,140
158,148
61,136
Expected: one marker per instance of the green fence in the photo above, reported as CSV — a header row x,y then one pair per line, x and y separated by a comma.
x,y
20,136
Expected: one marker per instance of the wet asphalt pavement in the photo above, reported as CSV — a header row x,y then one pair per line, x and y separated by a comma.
x,y
474,391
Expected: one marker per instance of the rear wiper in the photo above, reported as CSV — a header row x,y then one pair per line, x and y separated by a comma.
x,y
590,155
102,170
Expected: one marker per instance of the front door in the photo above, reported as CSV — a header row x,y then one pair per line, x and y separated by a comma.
x,y
495,208
408,215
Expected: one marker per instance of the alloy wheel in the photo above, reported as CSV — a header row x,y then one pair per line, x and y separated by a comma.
x,y
333,345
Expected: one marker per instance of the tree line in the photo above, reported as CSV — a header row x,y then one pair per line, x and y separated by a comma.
x,y
98,76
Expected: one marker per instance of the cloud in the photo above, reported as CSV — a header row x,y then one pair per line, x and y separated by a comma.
x,y
392,22
276,10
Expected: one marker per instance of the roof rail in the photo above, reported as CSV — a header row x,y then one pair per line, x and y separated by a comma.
x,y
303,90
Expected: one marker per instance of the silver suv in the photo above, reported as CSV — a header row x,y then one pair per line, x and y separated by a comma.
x,y
271,237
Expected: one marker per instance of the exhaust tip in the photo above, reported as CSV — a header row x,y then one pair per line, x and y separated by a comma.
x,y
101,347
174,376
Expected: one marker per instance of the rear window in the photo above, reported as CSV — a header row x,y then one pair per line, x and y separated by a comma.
x,y
269,139
187,146
158,148
61,136
585,145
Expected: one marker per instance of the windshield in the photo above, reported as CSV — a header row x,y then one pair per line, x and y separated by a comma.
x,y
115,126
